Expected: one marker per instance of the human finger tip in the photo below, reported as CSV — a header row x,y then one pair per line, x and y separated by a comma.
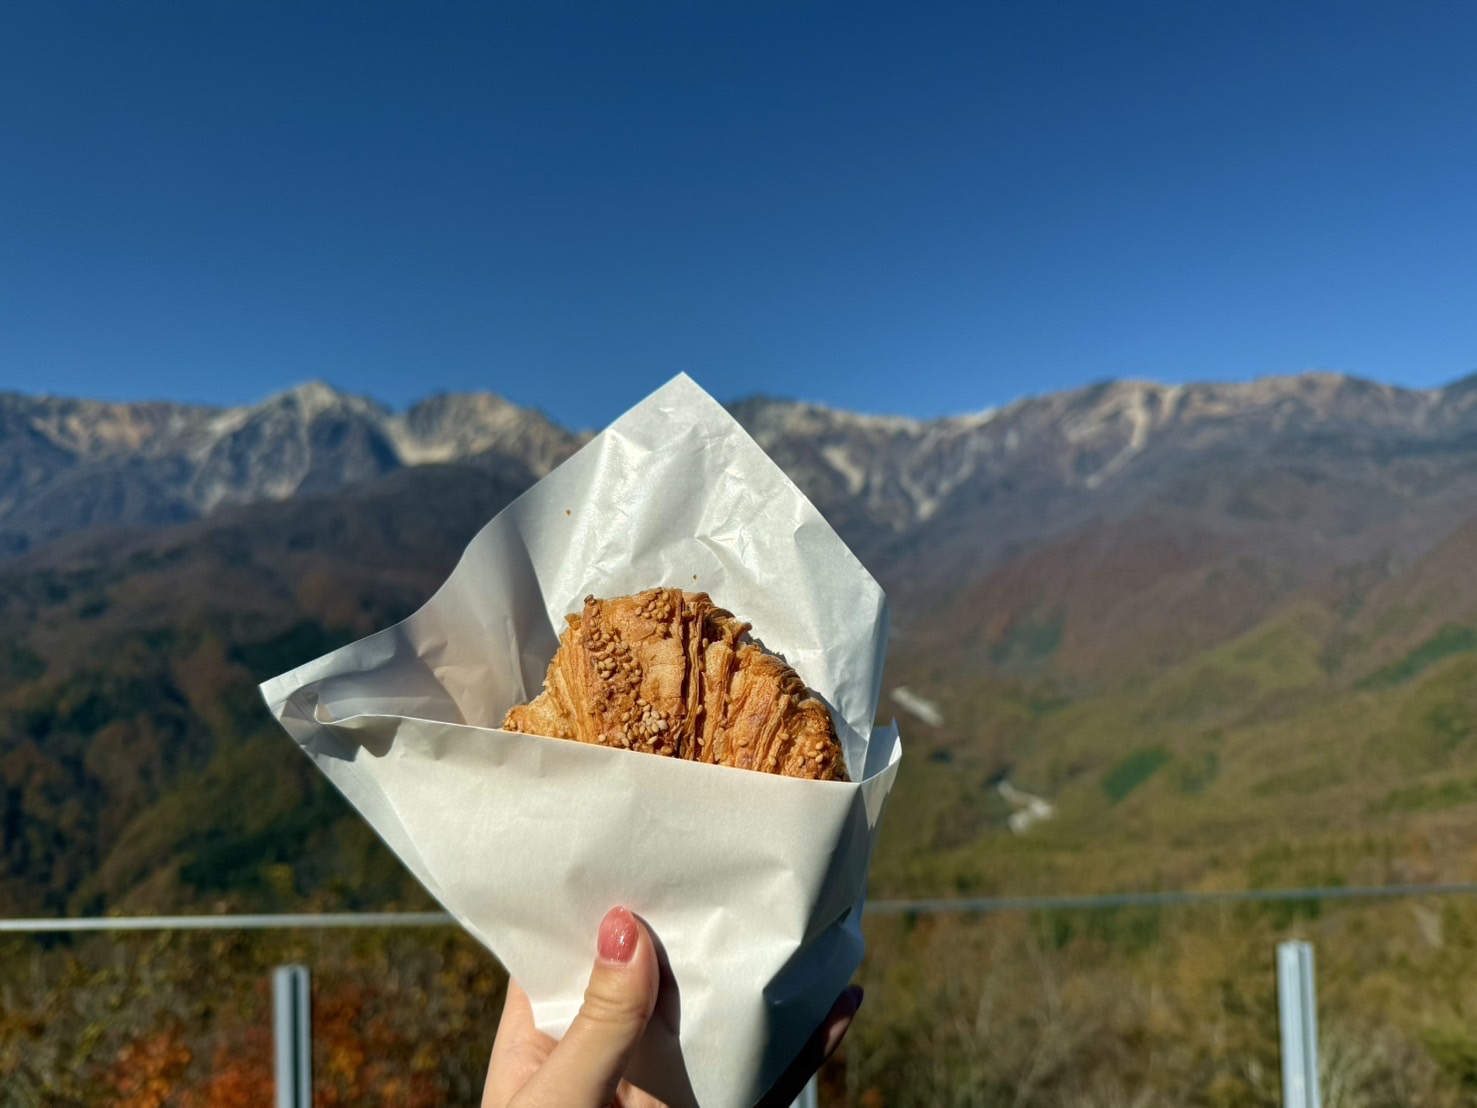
x,y
847,1004
587,1065
838,1023
620,936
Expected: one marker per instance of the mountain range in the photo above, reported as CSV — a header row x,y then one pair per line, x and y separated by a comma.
x,y
70,464
1308,475
1195,623
66,465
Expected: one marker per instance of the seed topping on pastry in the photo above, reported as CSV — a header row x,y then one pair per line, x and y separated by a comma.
x,y
668,672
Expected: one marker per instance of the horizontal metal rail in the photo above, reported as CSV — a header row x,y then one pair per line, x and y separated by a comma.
x,y
1137,900
983,904
284,922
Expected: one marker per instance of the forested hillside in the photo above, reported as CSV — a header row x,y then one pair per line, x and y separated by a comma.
x,y
1204,640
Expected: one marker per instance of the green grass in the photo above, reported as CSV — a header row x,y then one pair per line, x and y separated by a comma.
x,y
1029,640
1453,1050
1427,798
1297,782
1275,659
1133,771
1195,774
1451,639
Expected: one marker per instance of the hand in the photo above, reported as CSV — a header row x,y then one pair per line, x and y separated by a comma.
x,y
585,1069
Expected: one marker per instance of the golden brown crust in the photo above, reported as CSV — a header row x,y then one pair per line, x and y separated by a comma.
x,y
669,672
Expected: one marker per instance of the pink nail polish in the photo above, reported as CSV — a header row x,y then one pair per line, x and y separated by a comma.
x,y
618,936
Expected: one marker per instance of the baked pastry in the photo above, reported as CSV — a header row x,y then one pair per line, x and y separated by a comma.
x,y
669,672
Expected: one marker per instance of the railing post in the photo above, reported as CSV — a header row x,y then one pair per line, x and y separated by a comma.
x,y
293,1036
807,1097
1298,1018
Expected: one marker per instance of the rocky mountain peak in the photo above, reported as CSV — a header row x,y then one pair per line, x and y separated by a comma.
x,y
99,428
877,475
455,426
68,463
315,398
767,417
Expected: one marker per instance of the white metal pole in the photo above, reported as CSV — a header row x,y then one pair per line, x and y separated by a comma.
x,y
293,1036
807,1097
1298,1018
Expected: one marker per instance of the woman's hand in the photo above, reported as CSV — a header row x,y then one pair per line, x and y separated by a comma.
x,y
585,1069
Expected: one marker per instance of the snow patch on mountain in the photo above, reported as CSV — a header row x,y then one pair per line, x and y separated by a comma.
x,y
1137,412
854,475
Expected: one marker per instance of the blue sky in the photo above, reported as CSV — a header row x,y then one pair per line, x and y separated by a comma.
x,y
914,208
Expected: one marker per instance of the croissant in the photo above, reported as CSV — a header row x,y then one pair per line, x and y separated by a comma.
x,y
668,672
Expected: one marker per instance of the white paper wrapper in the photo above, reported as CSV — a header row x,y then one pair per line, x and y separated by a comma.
x,y
752,884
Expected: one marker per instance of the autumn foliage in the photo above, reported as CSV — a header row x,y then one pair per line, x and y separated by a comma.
x,y
1124,1008
400,1020
147,1071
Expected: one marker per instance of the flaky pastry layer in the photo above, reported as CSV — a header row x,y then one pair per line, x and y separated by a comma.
x,y
669,672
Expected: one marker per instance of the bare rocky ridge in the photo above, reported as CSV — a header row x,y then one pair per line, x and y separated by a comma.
x,y
904,473
1315,458
1033,469
67,465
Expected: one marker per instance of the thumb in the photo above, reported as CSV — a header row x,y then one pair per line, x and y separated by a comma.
x,y
585,1068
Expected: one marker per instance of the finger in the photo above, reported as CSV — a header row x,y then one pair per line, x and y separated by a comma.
x,y
518,1051
586,1066
820,1046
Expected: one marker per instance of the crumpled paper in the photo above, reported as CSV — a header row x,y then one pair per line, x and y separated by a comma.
x,y
751,884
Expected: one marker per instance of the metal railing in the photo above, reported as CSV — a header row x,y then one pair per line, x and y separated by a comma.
x,y
1297,1019
921,906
